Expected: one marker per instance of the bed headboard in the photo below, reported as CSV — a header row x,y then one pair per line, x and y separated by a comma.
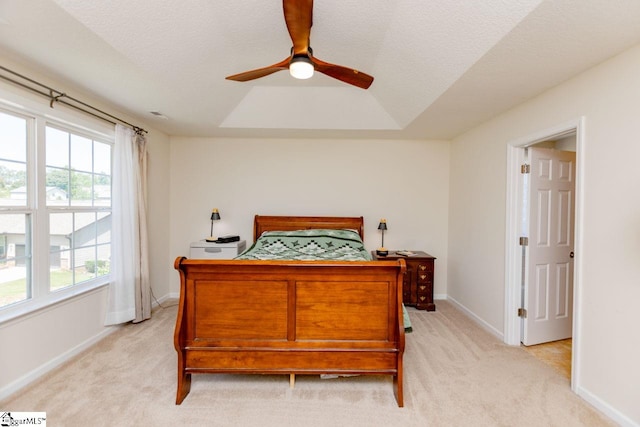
x,y
262,223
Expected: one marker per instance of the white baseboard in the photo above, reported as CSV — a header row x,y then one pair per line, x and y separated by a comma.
x,y
602,406
170,296
484,325
38,372
32,376
593,400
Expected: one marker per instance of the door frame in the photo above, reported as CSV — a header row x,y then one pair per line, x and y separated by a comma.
x,y
513,250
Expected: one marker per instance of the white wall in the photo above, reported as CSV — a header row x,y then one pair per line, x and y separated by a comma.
x,y
608,96
158,219
40,341
405,182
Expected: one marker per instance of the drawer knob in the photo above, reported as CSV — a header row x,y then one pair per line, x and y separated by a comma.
x,y
423,276
422,298
422,288
422,267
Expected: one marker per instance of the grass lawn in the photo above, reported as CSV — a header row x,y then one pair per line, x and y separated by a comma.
x,y
15,290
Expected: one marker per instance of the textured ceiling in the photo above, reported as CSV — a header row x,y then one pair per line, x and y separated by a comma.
x,y
440,66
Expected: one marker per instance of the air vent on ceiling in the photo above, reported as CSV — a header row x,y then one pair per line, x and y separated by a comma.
x,y
159,115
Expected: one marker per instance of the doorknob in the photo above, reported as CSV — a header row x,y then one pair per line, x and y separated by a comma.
x,y
571,254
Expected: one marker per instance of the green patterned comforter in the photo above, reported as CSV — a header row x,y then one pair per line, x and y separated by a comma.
x,y
309,245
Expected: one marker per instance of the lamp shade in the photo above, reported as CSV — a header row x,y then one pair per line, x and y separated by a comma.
x,y
383,224
215,215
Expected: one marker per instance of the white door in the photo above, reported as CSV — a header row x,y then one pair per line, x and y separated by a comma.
x,y
548,284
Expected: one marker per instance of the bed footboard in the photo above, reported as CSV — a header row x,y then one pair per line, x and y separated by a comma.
x,y
289,317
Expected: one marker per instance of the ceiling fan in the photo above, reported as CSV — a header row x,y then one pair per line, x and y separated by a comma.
x,y
301,63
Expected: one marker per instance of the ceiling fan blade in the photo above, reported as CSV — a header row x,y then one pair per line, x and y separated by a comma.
x,y
260,72
345,74
298,16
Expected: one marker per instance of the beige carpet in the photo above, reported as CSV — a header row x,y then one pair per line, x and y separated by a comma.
x,y
456,374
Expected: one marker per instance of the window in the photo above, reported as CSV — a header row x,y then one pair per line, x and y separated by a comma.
x,y
15,221
55,211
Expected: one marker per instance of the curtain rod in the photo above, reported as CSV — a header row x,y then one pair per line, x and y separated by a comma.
x,y
57,96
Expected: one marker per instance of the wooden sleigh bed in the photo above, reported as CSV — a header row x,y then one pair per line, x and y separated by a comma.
x,y
290,317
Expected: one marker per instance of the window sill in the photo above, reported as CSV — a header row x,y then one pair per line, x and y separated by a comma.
x,y
25,309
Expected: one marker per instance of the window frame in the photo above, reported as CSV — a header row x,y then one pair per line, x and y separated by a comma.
x,y
38,118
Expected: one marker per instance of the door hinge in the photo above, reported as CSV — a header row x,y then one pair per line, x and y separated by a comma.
x,y
524,241
522,312
525,168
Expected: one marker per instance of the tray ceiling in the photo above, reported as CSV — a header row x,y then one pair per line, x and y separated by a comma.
x,y
440,66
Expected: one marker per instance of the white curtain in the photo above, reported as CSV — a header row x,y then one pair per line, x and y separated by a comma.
x,y
129,290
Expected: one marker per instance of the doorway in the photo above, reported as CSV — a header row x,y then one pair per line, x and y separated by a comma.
x,y
556,354
515,274
548,217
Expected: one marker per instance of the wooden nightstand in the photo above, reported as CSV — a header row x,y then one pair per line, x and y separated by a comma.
x,y
417,289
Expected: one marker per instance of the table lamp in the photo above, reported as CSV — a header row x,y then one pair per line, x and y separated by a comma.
x,y
215,216
382,251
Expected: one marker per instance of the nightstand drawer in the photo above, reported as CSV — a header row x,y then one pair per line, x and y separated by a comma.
x,y
210,250
425,267
424,288
425,277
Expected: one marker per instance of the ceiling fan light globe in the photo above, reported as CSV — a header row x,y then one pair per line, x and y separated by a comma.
x,y
301,68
